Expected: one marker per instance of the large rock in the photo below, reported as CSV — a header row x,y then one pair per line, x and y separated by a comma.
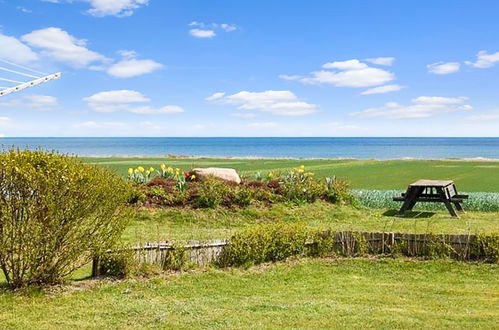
x,y
227,174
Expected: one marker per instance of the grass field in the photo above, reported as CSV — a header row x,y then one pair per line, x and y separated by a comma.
x,y
346,293
363,174
205,224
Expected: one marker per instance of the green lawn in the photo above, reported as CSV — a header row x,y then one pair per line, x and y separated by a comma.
x,y
205,224
308,294
363,174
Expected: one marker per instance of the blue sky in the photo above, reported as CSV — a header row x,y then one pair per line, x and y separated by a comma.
x,y
252,68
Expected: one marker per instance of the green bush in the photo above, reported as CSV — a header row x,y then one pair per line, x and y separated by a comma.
x,y
264,243
55,214
120,263
306,191
337,191
212,192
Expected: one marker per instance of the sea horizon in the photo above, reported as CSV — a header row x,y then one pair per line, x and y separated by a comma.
x,y
486,148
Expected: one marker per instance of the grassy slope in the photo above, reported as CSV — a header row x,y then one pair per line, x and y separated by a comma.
x,y
180,224
363,174
351,293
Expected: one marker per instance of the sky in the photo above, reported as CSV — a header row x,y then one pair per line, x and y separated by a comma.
x,y
251,68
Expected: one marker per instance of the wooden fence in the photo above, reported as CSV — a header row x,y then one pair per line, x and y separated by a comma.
x,y
346,243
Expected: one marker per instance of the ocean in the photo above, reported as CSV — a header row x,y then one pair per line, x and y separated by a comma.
x,y
361,148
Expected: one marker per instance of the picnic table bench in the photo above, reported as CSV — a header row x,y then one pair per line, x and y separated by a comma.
x,y
433,191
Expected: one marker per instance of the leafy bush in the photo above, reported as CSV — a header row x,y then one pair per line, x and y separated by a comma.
x,y
337,191
211,192
55,214
263,243
120,263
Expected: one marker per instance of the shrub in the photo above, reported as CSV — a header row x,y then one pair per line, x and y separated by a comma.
x,y
303,191
263,243
120,263
211,192
337,191
55,214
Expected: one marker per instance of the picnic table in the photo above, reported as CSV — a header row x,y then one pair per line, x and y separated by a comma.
x,y
433,191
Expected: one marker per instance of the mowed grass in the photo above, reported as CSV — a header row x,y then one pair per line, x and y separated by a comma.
x,y
362,174
307,294
205,224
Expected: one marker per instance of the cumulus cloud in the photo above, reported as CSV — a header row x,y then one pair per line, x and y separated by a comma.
x,y
244,115
484,60
13,50
421,107
388,61
35,102
129,66
199,33
282,103
203,30
382,89
443,68
350,73
126,100
101,8
63,47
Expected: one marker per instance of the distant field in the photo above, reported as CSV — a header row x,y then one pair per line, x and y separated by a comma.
x,y
363,174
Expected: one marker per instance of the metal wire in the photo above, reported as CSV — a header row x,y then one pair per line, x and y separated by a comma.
x,y
23,67
19,73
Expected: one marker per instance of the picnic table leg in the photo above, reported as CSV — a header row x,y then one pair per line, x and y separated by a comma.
x,y
458,206
448,204
411,196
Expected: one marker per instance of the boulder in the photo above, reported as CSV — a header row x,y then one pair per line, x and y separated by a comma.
x,y
227,174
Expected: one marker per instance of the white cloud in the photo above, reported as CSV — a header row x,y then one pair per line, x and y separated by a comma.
x,y
228,27
491,116
198,33
131,67
119,8
421,107
204,30
215,96
63,47
388,61
382,89
24,10
94,124
117,96
290,77
283,103
147,110
245,115
443,68
345,65
126,100
484,60
14,50
351,73
35,102
263,125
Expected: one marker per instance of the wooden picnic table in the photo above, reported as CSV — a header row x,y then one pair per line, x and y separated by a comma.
x,y
433,191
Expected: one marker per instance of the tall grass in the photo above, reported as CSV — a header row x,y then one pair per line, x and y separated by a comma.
x,y
383,199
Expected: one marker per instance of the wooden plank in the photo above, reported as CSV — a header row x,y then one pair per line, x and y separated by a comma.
x,y
431,183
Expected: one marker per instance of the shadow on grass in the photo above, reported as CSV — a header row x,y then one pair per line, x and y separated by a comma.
x,y
410,214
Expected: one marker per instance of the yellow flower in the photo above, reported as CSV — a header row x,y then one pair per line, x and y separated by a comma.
x,y
271,174
136,171
300,170
147,172
193,177
151,169
140,169
170,170
163,166
130,171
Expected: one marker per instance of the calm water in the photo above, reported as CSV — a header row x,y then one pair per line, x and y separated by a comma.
x,y
380,148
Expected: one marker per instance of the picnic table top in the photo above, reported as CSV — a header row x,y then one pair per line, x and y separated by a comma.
x,y
431,183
